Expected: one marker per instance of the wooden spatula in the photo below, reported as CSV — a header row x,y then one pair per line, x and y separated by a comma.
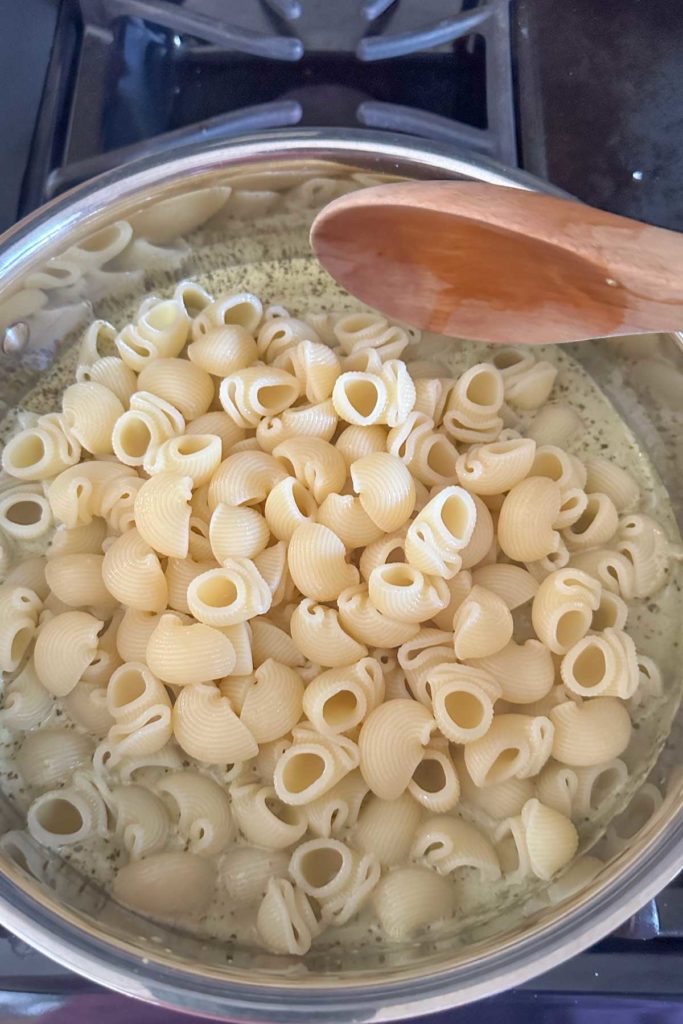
x,y
501,264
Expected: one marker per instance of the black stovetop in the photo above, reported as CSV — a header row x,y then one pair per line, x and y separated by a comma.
x,y
585,93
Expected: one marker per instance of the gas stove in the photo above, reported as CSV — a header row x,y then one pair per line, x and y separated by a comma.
x,y
570,91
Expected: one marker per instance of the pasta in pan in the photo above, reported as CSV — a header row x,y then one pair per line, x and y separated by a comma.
x,y
308,635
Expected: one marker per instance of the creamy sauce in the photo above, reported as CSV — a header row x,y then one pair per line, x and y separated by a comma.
x,y
299,284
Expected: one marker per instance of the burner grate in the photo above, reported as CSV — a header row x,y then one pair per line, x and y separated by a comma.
x,y
141,77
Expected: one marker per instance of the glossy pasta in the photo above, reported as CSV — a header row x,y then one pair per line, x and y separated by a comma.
x,y
294,626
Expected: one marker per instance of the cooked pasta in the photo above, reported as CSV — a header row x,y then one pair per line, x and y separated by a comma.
x,y
304,633
65,647
186,654
447,843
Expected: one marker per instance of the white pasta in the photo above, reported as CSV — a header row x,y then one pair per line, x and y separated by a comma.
x,y
332,633
605,477
385,488
26,703
288,506
41,451
440,531
482,625
229,595
603,665
162,513
166,884
402,592
200,809
338,700
264,819
644,543
273,702
149,421
391,744
197,456
339,807
78,581
65,647
525,672
24,515
514,746
319,635
90,411
462,701
315,463
495,468
50,756
409,898
223,350
562,610
513,584
186,654
141,820
589,733
19,610
207,728
312,765
527,517
245,478
285,920
447,843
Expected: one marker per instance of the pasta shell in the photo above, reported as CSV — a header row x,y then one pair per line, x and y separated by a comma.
x,y
166,884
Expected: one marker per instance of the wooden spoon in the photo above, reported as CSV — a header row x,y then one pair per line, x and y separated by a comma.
x,y
501,264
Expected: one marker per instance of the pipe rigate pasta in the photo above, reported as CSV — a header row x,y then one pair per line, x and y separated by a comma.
x,y
554,423
318,420
391,743
644,543
141,821
223,350
605,477
78,581
527,517
166,884
288,506
26,703
40,452
179,574
540,842
75,495
513,584
447,843
160,331
241,308
409,898
385,488
312,765
64,817
113,374
514,746
162,513
562,610
386,827
602,665
418,657
264,819
87,706
231,594
249,395
361,620
360,398
273,702
440,531
207,728
200,809
317,563
314,365
318,633
339,808
194,455
482,625
315,463
186,654
90,411
402,592
596,525
245,478
65,647
345,516
525,672
338,700
356,332
354,442
462,701
496,467
435,784
19,611
149,421
51,755
246,870
285,920
589,733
